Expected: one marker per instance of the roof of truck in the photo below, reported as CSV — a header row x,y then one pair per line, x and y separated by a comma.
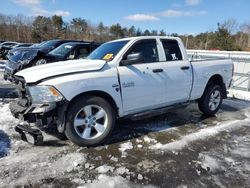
x,y
148,37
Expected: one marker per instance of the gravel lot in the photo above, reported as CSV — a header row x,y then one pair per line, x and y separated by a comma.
x,y
178,149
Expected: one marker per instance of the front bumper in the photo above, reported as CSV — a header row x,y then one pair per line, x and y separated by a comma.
x,y
43,115
21,110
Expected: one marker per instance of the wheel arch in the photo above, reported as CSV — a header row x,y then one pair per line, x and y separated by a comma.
x,y
217,79
97,93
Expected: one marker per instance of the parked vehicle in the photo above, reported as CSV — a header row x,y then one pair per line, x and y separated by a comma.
x,y
9,49
130,77
44,47
66,51
4,47
23,49
19,45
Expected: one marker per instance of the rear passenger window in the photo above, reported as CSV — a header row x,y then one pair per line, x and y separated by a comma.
x,y
172,50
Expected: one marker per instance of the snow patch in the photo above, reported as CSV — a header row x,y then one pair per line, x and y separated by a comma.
x,y
140,177
139,146
124,147
108,182
69,162
122,170
2,65
208,163
238,94
149,140
201,135
112,182
104,169
7,121
114,159
242,151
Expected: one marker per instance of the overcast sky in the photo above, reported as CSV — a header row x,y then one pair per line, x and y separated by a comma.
x,y
174,16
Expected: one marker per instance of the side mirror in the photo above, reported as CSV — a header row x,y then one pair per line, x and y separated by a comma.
x,y
132,59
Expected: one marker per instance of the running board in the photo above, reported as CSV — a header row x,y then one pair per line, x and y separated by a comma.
x,y
155,112
29,134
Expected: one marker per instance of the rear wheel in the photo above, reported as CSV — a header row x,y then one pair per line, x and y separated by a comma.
x,y
90,121
211,100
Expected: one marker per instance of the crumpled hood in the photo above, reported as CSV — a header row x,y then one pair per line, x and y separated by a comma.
x,y
37,73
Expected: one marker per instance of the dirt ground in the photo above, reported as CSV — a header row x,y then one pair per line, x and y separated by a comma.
x,y
178,149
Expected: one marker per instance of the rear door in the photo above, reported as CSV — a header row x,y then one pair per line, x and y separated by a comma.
x,y
178,73
143,84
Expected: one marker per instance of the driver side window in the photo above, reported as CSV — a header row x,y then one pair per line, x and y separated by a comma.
x,y
148,50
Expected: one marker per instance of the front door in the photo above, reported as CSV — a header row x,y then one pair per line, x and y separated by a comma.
x,y
143,83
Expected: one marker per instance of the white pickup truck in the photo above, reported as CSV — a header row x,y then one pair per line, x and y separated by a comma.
x,y
130,77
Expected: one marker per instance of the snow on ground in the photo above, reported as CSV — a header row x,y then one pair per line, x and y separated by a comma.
x,y
125,147
238,94
201,134
208,163
219,153
227,161
7,121
104,169
26,163
2,64
111,182
2,81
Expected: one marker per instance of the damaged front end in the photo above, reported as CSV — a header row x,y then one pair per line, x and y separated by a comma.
x,y
43,106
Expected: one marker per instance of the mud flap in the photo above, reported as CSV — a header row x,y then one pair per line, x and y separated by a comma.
x,y
29,134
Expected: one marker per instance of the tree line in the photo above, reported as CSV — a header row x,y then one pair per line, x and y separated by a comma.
x,y
227,36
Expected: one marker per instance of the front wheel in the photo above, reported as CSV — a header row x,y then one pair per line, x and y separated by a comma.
x,y
90,121
211,100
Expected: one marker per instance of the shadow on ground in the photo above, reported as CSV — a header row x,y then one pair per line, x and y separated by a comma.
x,y
5,144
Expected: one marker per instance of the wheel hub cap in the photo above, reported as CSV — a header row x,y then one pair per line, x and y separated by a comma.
x,y
90,122
214,100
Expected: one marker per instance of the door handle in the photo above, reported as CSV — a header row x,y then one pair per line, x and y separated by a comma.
x,y
157,70
185,68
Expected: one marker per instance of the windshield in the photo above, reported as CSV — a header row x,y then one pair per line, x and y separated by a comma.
x,y
48,44
108,50
62,50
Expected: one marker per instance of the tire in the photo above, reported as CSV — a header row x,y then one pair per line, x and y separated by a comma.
x,y
90,121
211,100
40,62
